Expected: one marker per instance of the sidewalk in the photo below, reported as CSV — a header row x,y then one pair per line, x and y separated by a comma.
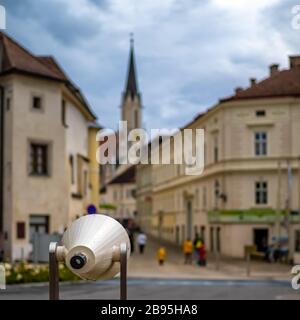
x,y
146,266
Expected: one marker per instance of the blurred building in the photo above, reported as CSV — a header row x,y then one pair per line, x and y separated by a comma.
x,y
120,194
48,176
118,181
249,190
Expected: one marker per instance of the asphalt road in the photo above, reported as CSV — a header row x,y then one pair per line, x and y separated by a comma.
x,y
160,289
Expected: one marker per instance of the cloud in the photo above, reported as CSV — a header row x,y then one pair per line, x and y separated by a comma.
x,y
189,53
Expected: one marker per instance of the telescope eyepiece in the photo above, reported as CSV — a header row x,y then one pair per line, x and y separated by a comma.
x,y
78,261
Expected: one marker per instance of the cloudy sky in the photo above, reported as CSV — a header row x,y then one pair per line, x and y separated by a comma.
x,y
189,53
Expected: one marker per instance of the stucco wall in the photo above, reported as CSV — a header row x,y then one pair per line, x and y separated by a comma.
x,y
38,195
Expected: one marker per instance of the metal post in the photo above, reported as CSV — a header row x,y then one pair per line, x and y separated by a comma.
x,y
216,249
278,209
248,262
123,271
288,211
53,273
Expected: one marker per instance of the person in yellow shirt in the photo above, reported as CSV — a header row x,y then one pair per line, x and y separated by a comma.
x,y
161,255
188,251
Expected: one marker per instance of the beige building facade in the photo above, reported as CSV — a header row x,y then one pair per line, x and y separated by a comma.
x,y
45,181
251,174
120,194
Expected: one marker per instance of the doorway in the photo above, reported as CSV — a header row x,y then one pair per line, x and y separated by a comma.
x,y
177,235
38,224
261,237
211,239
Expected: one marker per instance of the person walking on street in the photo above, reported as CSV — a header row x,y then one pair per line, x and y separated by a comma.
x,y
188,251
131,239
142,240
195,242
202,255
161,255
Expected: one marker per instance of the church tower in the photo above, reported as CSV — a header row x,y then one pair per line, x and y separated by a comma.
x,y
131,101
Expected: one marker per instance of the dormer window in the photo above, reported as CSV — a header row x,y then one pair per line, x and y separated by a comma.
x,y
260,113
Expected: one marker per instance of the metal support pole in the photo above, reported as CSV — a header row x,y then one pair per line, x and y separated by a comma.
x,y
123,271
217,249
53,273
248,262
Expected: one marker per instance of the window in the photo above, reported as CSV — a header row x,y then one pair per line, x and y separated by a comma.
x,y
85,182
297,241
260,113
260,143
204,197
216,149
72,168
261,192
133,193
20,230
218,239
212,240
37,103
217,193
39,159
128,193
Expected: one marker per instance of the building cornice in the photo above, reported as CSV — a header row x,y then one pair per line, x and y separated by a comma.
x,y
237,165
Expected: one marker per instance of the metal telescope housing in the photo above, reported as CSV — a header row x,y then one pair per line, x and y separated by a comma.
x,y
94,247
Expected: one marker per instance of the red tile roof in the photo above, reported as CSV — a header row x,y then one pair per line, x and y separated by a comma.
x,y
53,65
128,176
283,83
18,59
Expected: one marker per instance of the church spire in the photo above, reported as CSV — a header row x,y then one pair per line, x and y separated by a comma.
x,y
131,85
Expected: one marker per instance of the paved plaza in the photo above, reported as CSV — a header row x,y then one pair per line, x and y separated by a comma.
x,y
175,280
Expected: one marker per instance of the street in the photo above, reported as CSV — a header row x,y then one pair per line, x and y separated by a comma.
x,y
175,280
169,289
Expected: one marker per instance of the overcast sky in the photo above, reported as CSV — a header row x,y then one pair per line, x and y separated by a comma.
x,y
189,53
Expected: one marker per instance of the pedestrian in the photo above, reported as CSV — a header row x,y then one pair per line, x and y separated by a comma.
x,y
142,240
202,255
161,255
188,251
131,239
198,250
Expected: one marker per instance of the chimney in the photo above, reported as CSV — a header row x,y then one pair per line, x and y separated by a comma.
x,y
294,62
273,69
252,82
238,90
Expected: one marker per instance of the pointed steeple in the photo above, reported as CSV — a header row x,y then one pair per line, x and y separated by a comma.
x,y
131,84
